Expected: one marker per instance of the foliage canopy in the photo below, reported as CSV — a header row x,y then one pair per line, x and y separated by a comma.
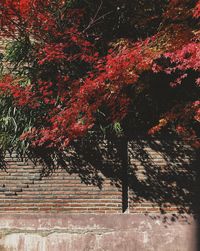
x,y
72,66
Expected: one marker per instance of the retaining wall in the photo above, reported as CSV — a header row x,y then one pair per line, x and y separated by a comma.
x,y
51,232
134,195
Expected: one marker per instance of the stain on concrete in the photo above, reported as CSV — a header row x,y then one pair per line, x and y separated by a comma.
x,y
96,233
2,248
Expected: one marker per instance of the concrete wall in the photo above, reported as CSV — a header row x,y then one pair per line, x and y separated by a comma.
x,y
77,206
87,232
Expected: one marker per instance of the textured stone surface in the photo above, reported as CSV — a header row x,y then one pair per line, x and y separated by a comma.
x,y
87,232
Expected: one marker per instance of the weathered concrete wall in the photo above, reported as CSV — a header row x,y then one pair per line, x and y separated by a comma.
x,y
77,206
84,232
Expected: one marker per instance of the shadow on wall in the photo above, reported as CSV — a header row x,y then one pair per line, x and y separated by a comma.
x,y
162,173
165,172
159,173
92,160
3,165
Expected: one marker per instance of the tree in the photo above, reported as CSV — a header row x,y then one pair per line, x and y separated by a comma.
x,y
72,66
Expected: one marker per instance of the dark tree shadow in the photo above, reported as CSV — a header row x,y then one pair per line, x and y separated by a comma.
x,y
169,174
3,165
92,160
162,172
